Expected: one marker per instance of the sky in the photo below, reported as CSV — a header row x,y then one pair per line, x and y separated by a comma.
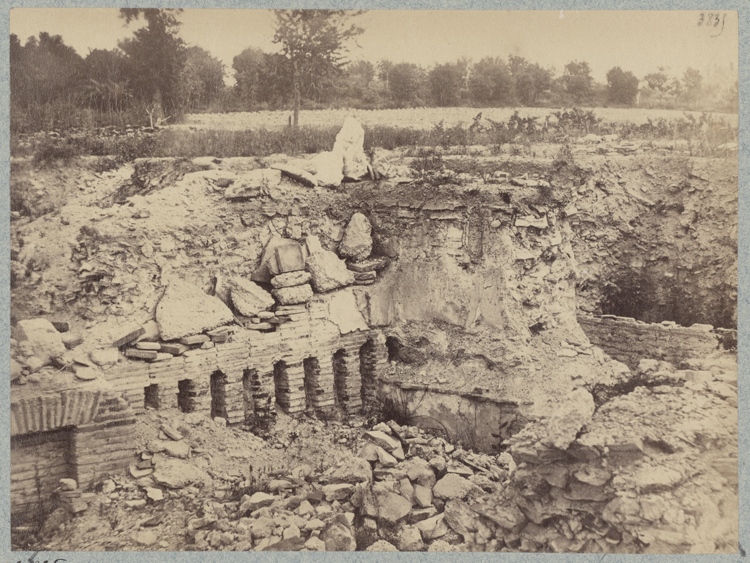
x,y
636,41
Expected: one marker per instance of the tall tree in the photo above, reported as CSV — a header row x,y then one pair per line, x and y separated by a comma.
x,y
108,75
363,71
446,82
491,83
157,56
357,83
248,74
530,80
405,81
622,86
692,82
201,79
314,43
261,78
578,82
44,70
384,68
657,81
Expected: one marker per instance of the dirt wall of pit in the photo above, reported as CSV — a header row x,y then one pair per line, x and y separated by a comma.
x,y
656,237
495,264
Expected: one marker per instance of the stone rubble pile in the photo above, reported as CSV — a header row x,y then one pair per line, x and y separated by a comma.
x,y
405,491
389,499
70,501
356,248
187,317
649,472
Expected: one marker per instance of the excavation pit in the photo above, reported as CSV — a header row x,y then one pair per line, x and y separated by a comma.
x,y
481,308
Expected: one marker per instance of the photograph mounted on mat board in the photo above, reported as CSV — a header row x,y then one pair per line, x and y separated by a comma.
x,y
375,280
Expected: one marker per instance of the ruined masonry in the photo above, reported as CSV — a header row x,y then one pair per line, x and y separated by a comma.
x,y
495,312
86,427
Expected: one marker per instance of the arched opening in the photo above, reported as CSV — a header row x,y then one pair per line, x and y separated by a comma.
x,y
312,389
281,385
259,411
186,394
151,396
218,395
393,345
38,461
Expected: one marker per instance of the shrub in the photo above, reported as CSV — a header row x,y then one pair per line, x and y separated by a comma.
x,y
390,138
19,194
51,151
564,157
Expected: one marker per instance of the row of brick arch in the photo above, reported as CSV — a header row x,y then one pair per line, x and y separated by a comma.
x,y
344,380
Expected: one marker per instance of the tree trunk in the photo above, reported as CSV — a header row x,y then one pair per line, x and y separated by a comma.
x,y
296,105
158,107
295,79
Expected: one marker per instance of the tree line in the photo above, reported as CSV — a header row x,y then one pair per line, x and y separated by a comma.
x,y
155,74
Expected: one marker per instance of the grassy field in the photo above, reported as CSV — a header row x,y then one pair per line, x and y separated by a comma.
x,y
415,118
266,133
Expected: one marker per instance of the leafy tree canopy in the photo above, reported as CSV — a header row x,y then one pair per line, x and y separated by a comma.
x,y
577,81
156,55
622,86
314,42
491,82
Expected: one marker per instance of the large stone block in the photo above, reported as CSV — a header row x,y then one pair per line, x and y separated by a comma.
x,y
289,258
176,474
186,310
269,265
328,271
391,506
298,174
290,279
357,241
294,295
328,168
570,415
251,184
350,144
46,341
344,312
452,486
248,297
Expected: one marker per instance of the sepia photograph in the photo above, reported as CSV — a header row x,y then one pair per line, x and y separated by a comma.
x,y
375,280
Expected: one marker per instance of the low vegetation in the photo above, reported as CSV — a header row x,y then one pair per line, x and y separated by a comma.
x,y
702,136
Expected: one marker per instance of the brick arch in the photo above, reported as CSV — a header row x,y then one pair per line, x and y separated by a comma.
x,y
49,412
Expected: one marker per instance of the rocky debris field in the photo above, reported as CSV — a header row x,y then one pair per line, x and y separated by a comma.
x,y
627,462
640,224
311,485
649,222
653,470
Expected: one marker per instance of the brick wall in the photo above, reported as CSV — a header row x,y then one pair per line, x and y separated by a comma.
x,y
83,431
629,341
38,461
86,430
308,338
